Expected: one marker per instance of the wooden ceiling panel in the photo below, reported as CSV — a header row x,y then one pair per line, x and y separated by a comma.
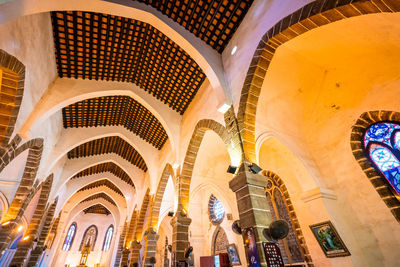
x,y
97,209
116,110
110,144
100,195
106,47
106,167
213,21
103,182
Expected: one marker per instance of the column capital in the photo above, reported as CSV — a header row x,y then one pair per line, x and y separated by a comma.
x,y
246,177
179,220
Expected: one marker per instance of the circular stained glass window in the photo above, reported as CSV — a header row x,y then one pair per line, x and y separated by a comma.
x,y
216,210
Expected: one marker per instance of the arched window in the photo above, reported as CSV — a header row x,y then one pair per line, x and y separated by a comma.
x,y
216,210
89,238
107,238
70,237
382,143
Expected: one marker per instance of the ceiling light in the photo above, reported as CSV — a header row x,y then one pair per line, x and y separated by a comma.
x,y
25,238
175,166
19,229
224,108
233,50
6,223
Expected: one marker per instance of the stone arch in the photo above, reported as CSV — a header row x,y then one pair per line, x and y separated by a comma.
x,y
139,228
191,155
219,240
84,238
312,15
12,64
278,183
375,177
35,147
155,212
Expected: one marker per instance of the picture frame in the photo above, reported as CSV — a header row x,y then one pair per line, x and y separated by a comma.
x,y
329,240
233,254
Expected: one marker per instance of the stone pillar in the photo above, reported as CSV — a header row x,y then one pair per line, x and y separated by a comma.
x,y
134,255
253,207
24,246
125,257
150,246
37,252
180,235
120,246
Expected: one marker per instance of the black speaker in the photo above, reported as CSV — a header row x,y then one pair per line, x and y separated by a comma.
x,y
236,228
169,248
153,260
278,229
188,251
254,168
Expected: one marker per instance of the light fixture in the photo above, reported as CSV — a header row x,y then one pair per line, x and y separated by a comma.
x,y
224,108
175,166
19,229
183,212
231,169
233,50
25,238
6,223
254,168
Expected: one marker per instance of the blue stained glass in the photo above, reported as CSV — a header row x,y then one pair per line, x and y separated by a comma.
x,y
219,210
70,236
107,240
384,156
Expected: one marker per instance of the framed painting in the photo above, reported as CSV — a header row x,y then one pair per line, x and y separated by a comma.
x,y
329,240
233,254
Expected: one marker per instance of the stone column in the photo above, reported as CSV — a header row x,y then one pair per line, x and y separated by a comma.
x,y
180,235
253,207
134,255
24,246
37,252
120,247
125,257
150,246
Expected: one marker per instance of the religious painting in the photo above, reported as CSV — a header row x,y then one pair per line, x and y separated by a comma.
x,y
233,254
329,240
251,246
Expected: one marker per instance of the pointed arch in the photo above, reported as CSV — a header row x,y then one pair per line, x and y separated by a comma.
x,y
108,237
70,237
314,14
294,246
191,154
89,237
12,77
155,213
361,154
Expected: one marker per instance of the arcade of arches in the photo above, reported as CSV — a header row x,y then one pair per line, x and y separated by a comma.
x,y
119,120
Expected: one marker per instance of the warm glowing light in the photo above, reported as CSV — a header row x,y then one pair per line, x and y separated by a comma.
x,y
224,108
175,166
25,238
5,223
233,50
19,229
184,211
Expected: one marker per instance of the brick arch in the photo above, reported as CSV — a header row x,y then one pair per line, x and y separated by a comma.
x,y
279,183
14,82
33,228
191,155
375,177
312,15
35,147
155,211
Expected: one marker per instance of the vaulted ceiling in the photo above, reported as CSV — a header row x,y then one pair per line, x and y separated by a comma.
x,y
116,110
103,182
106,47
97,209
213,21
100,196
105,167
105,145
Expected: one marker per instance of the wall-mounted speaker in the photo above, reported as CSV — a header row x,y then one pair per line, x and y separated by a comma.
x,y
188,251
277,230
236,228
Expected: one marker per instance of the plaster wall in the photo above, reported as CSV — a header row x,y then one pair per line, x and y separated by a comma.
x,y
11,176
317,86
262,15
84,221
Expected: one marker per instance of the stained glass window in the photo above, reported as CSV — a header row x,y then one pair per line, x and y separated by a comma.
x,y
216,210
70,237
382,142
108,237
